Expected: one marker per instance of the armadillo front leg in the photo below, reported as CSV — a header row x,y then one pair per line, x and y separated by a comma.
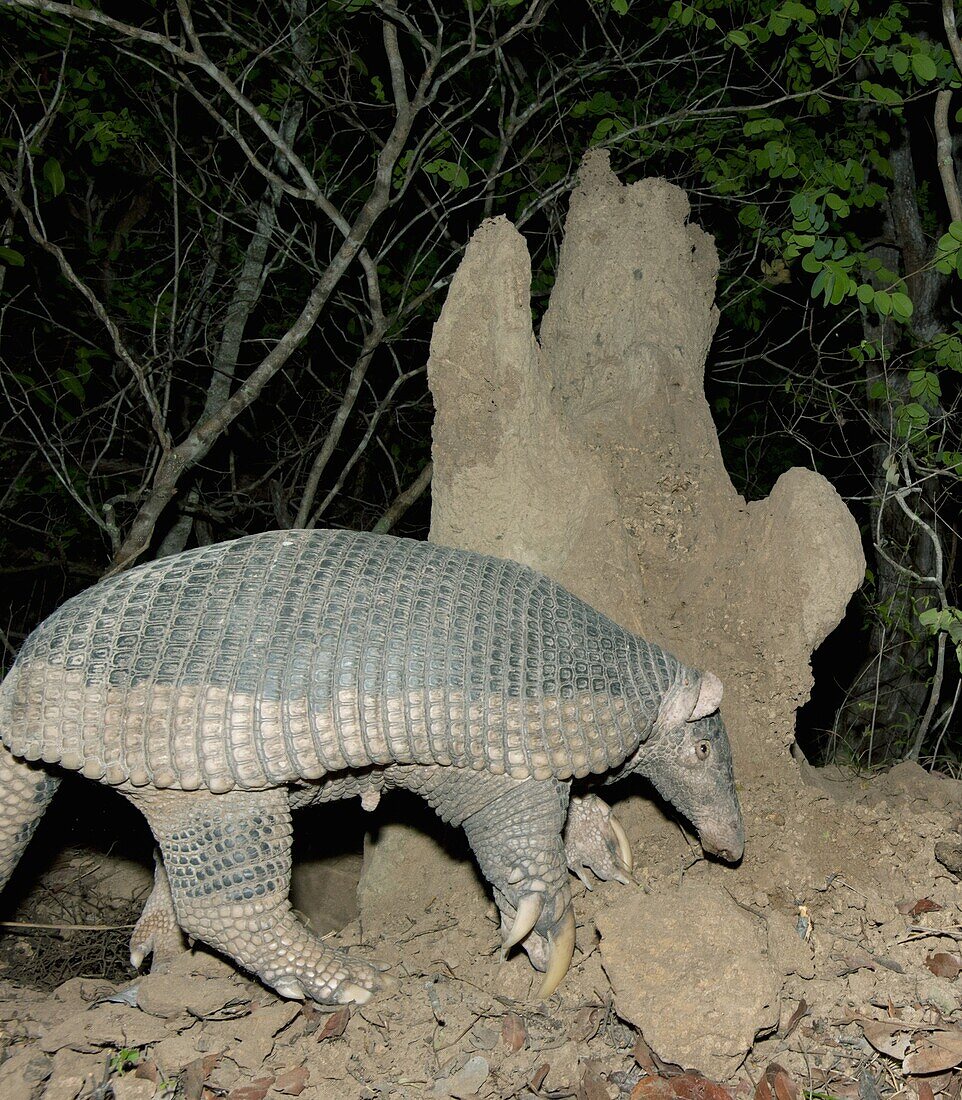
x,y
514,828
228,863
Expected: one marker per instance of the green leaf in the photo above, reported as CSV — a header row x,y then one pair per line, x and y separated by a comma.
x,y
865,294
620,7
924,67
883,302
955,232
762,126
924,386
72,383
11,257
53,174
450,172
738,38
902,305
799,205
900,62
604,127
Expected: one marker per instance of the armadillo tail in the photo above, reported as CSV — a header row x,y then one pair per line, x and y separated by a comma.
x,y
25,792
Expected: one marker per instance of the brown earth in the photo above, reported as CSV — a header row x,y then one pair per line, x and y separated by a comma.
x,y
590,453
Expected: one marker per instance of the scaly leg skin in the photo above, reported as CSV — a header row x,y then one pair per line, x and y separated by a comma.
x,y
157,933
228,863
27,790
516,838
595,839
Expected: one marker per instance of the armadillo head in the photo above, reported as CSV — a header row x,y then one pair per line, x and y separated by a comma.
x,y
689,761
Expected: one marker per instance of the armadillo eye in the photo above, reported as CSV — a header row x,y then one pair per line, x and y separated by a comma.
x,y
703,750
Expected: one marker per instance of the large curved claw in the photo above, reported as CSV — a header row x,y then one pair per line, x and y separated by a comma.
x,y
594,838
529,910
624,848
561,947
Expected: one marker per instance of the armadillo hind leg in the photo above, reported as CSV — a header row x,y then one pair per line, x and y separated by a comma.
x,y
157,933
228,863
25,793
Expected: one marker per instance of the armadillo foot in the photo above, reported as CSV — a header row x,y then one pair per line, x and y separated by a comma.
x,y
550,948
516,837
228,863
157,933
594,838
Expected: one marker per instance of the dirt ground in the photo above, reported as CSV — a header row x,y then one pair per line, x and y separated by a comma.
x,y
839,916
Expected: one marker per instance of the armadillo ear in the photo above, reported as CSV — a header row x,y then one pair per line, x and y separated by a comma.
x,y
679,702
709,697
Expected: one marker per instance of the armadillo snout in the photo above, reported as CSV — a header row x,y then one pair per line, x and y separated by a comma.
x,y
727,843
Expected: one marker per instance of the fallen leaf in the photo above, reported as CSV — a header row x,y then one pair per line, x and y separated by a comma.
x,y
763,1090
924,905
644,1057
888,1038
196,1074
147,1071
943,964
292,1082
937,1052
256,1090
652,1088
925,1091
335,1024
514,1035
782,1085
890,964
536,1079
686,1086
796,1018
854,960
584,1026
592,1086
692,1086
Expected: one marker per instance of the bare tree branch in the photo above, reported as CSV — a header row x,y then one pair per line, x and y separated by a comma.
x,y
404,500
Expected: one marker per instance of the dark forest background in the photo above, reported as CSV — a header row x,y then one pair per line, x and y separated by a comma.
x,y
227,229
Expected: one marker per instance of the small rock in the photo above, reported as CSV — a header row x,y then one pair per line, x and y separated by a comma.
x,y
168,996
133,1088
21,1073
949,854
936,992
63,1088
466,1082
792,954
484,1038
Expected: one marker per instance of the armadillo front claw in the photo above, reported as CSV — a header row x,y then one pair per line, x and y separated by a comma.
x,y
529,910
561,947
594,838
